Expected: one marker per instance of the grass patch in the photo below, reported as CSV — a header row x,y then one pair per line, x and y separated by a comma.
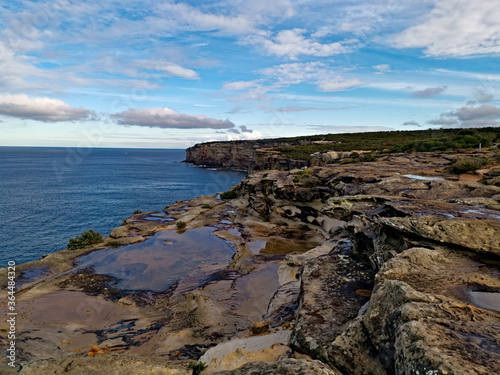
x,y
207,206
180,225
113,244
197,367
231,194
86,239
137,212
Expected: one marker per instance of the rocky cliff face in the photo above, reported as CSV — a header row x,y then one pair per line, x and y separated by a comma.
x,y
242,155
409,284
388,268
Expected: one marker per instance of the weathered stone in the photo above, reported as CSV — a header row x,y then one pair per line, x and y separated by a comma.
x,y
288,366
240,357
112,364
118,232
328,300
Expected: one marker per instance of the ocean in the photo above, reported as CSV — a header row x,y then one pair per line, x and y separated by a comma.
x,y
48,195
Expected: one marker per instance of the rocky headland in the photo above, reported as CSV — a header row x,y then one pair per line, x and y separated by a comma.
x,y
382,267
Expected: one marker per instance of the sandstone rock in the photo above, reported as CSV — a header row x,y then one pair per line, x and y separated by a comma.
x,y
481,236
328,300
241,357
112,364
118,232
259,328
288,366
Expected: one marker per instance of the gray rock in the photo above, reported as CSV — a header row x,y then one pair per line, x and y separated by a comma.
x,y
288,366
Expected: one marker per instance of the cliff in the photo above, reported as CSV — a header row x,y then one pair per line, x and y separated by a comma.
x,y
387,267
241,155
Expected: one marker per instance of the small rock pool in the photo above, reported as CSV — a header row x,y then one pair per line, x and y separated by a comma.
x,y
163,260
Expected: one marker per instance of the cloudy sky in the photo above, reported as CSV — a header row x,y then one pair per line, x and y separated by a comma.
x,y
169,74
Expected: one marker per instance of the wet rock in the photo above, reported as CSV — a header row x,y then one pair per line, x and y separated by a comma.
x,y
288,366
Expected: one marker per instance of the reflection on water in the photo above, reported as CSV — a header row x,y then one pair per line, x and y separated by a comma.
x,y
486,300
163,260
423,178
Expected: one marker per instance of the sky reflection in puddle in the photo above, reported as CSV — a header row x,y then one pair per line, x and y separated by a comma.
x,y
156,265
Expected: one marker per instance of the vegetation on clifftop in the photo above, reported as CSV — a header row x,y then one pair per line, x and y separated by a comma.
x,y
394,141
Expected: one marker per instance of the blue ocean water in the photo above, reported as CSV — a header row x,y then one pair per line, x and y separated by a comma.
x,y
48,195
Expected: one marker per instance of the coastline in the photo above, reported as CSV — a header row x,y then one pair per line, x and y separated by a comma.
x,y
356,235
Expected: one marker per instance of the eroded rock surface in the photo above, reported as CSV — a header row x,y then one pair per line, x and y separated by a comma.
x,y
381,268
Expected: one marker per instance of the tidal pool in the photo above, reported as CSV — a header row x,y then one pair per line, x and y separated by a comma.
x,y
164,259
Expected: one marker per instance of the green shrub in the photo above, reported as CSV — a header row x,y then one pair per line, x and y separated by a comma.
x,y
467,165
86,239
206,206
197,367
180,225
231,194
137,212
113,244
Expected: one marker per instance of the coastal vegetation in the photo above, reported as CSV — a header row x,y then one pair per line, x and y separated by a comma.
x,y
392,141
231,194
197,367
86,239
467,165
180,225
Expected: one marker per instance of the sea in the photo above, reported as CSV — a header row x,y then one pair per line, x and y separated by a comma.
x,y
48,195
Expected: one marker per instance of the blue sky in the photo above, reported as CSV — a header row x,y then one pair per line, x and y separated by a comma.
x,y
168,74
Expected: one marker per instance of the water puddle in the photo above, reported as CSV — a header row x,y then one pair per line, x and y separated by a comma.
x,y
256,246
487,213
32,275
486,300
227,222
285,246
234,232
256,289
162,219
163,260
423,178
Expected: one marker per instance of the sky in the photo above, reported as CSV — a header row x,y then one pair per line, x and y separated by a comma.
x,y
169,74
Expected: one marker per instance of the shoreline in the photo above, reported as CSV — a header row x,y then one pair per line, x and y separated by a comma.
x,y
347,235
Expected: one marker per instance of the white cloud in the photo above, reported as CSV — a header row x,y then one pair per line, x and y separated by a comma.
x,y
41,109
294,73
169,68
339,84
293,43
240,85
168,118
382,68
456,28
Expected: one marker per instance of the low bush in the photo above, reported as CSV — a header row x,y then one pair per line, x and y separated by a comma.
x,y
231,194
137,212
197,367
113,244
180,225
86,239
206,206
467,165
